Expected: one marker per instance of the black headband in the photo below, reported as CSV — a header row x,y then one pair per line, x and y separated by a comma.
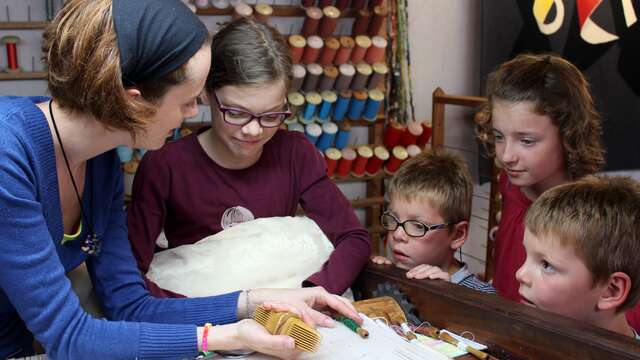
x,y
155,37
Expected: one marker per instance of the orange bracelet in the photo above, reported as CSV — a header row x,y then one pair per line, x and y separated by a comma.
x,y
204,339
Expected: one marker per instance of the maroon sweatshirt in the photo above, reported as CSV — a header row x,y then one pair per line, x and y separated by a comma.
x,y
181,190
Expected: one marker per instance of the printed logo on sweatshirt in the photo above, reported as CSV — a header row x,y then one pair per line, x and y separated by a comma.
x,y
234,216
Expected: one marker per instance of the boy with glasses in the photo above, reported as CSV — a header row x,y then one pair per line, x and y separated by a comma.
x,y
427,219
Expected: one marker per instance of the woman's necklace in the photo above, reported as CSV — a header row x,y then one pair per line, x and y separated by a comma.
x,y
91,244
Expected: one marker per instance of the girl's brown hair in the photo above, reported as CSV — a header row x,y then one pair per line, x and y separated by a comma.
x,y
558,90
247,52
81,51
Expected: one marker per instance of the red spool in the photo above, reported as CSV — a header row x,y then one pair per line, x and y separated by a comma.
x,y
361,24
413,150
331,156
376,52
377,20
345,162
414,130
358,4
359,166
308,3
342,4
297,44
312,51
374,3
323,3
12,56
329,51
363,43
346,48
398,156
329,21
311,21
424,138
392,134
380,155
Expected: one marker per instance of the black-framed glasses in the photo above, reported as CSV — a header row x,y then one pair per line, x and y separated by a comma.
x,y
413,228
240,117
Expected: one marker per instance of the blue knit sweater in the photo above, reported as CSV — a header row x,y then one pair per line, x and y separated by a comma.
x,y
36,296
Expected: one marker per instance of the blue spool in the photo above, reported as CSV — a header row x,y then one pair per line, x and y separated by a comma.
x,y
313,100
325,141
125,153
342,137
373,105
357,104
313,131
328,99
342,105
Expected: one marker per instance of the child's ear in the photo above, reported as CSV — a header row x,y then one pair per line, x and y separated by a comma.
x,y
204,97
133,92
459,234
615,291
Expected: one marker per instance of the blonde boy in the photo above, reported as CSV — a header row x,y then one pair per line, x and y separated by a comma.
x,y
427,219
582,241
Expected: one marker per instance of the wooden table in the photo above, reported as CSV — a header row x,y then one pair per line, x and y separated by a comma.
x,y
510,330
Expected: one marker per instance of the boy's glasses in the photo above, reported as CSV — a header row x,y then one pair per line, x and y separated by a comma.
x,y
413,228
239,117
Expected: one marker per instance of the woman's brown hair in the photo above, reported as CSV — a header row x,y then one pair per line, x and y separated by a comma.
x,y
81,51
247,52
558,90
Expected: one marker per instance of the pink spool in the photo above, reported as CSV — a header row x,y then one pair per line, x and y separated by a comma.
x,y
392,134
380,155
360,164
346,161
414,130
331,156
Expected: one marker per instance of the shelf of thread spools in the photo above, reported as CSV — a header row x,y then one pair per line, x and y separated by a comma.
x,y
13,71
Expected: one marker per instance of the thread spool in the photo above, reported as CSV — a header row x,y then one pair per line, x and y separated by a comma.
x,y
414,130
313,100
413,150
328,99
342,137
323,3
360,79
372,106
130,168
241,10
374,3
329,131
329,76
184,132
331,156
363,43
11,43
295,100
313,132
329,51
398,156
295,126
380,70
220,4
313,77
392,134
361,24
346,48
347,72
376,52
125,153
329,21
297,44
380,155
342,105
308,3
312,50
304,121
311,21
342,4
377,20
346,162
299,73
358,4
424,138
201,4
360,164
357,104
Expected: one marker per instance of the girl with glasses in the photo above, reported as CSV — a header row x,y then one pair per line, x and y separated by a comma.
x,y
244,166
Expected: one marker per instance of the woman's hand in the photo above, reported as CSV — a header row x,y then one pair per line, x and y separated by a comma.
x,y
425,271
304,302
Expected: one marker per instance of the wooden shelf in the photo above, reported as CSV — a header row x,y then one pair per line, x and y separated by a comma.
x,y
23,25
278,10
23,75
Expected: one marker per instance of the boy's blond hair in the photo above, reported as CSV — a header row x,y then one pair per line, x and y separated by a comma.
x,y
440,177
598,218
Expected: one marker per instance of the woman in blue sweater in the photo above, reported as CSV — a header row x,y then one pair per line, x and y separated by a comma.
x,y
121,72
